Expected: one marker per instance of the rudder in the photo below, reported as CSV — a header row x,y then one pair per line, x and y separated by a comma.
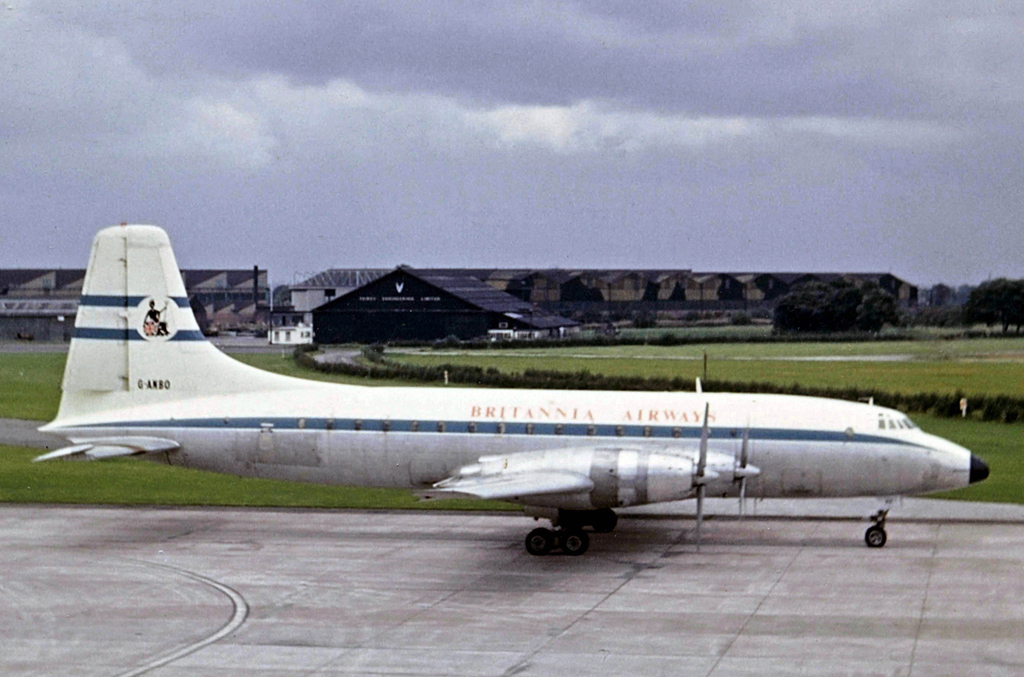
x,y
136,340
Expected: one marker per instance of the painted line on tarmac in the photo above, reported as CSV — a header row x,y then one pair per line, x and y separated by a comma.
x,y
240,611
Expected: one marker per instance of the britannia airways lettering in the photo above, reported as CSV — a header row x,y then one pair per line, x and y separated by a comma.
x,y
666,416
547,413
569,413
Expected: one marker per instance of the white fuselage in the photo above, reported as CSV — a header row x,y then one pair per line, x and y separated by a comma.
x,y
415,437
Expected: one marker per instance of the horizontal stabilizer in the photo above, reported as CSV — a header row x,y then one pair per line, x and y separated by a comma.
x,y
111,447
514,486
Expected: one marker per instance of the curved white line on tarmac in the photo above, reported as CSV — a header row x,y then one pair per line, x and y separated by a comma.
x,y
240,613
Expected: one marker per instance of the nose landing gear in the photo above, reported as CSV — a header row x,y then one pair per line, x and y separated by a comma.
x,y
875,536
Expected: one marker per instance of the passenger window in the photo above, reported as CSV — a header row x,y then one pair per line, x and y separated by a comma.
x,y
357,424
529,428
647,431
677,433
559,429
471,427
414,426
500,429
591,430
620,431
440,426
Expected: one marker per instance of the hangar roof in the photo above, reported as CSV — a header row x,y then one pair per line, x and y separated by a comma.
x,y
472,290
463,287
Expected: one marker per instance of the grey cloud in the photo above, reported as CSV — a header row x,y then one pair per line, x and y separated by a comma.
x,y
745,58
304,135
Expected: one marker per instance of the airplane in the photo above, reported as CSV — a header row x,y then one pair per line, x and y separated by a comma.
x,y
142,380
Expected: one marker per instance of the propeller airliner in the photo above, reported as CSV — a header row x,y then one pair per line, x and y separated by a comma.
x,y
142,380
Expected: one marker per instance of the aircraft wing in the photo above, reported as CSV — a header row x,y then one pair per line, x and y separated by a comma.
x,y
111,447
515,485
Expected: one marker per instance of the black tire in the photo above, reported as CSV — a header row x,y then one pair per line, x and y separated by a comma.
x,y
875,537
540,542
574,541
605,520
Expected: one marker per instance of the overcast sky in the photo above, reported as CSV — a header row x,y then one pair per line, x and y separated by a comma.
x,y
300,135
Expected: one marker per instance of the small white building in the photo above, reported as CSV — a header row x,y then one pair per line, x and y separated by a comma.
x,y
298,335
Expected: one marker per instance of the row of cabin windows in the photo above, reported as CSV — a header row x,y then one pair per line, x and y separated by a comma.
x,y
501,428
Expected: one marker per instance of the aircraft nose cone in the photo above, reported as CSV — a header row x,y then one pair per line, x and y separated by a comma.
x,y
979,470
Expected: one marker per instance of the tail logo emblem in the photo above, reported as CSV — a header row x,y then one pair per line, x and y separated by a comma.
x,y
155,319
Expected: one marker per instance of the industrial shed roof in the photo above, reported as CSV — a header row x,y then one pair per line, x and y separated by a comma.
x,y
484,296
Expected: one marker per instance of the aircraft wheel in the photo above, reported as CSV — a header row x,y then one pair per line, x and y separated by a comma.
x,y
574,541
605,520
875,537
540,542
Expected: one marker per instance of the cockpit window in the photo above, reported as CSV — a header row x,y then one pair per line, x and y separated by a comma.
x,y
889,422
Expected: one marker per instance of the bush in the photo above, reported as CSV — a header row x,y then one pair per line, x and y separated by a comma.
x,y
740,319
947,316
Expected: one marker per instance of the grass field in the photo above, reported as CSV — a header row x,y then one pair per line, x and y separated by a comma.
x,y
30,389
981,366
30,385
30,382
137,482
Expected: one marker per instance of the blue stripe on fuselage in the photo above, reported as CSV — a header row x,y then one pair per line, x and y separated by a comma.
x,y
602,430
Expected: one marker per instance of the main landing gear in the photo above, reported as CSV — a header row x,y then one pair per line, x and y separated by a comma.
x,y
543,541
569,535
875,536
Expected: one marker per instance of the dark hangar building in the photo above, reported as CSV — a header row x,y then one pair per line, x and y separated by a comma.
x,y
412,305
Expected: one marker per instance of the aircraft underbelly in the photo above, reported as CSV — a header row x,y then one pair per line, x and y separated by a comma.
x,y
420,459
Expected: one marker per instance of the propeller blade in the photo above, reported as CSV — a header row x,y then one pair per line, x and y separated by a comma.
x,y
744,447
700,511
743,494
705,433
702,462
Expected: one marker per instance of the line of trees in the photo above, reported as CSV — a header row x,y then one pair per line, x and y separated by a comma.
x,y
838,306
997,302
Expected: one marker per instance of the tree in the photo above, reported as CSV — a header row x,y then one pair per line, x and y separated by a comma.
x,y
998,301
805,308
282,295
877,309
836,306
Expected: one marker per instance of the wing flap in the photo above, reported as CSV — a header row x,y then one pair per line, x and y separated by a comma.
x,y
110,447
514,486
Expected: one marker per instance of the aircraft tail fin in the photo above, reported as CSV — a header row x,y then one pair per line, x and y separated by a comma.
x,y
136,340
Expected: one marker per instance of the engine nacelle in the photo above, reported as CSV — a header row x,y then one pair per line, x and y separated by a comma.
x,y
620,476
